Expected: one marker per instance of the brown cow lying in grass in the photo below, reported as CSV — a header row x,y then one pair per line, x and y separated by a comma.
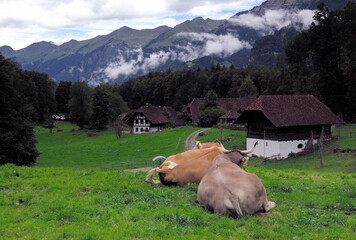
x,y
187,167
227,189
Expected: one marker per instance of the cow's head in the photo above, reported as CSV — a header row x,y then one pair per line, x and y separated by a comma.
x,y
236,156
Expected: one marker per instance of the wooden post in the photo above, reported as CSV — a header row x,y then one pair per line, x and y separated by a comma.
x,y
264,143
312,135
321,146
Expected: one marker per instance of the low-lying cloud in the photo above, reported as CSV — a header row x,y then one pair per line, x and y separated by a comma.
x,y
274,20
132,61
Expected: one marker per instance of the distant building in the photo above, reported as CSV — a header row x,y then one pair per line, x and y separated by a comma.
x,y
151,119
233,107
284,124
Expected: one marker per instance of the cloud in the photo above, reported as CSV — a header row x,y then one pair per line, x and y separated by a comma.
x,y
27,19
220,45
274,20
130,62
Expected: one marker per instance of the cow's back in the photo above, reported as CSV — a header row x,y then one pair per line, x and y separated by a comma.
x,y
187,167
226,185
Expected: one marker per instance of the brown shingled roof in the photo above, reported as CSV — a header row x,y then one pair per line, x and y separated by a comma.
x,y
292,110
231,105
153,114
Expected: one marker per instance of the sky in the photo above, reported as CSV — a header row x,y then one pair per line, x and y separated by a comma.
x,y
23,22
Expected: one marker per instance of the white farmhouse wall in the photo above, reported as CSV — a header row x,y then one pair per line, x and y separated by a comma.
x,y
141,125
154,129
276,149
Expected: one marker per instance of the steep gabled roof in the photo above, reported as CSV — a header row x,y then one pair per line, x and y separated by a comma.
x,y
292,110
153,114
231,105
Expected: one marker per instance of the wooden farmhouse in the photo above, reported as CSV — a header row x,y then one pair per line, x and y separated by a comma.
x,y
233,107
284,124
151,119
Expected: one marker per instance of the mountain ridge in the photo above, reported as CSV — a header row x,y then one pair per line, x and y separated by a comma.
x,y
127,52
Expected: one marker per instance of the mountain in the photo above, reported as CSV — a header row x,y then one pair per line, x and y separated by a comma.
x,y
249,38
266,49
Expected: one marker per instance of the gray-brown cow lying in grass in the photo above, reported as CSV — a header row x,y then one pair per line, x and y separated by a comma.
x,y
227,189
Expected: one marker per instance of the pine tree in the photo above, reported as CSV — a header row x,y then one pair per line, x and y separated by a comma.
x,y
101,108
210,111
80,103
62,95
17,141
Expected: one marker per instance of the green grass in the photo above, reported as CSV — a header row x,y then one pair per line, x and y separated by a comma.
x,y
60,203
86,148
231,139
55,202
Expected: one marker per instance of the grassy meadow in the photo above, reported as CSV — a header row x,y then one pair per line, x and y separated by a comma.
x,y
53,201
74,148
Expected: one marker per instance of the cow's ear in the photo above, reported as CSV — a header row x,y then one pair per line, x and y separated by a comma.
x,y
199,145
245,159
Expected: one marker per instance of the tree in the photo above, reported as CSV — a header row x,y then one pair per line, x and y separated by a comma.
x,y
80,103
210,111
117,103
247,88
101,114
43,101
62,96
322,59
50,124
17,141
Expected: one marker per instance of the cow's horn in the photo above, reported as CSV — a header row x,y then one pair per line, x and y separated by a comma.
x,y
197,145
250,150
222,147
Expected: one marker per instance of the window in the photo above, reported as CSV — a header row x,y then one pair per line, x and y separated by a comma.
x,y
146,129
141,129
136,129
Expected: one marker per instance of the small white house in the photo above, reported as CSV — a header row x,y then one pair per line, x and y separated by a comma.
x,y
284,124
148,119
151,119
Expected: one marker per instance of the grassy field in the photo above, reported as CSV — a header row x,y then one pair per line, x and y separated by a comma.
x,y
73,148
52,201
60,203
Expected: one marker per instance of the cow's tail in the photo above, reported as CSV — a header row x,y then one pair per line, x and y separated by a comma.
x,y
236,204
149,177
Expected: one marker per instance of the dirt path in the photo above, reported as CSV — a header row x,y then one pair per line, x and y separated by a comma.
x,y
189,142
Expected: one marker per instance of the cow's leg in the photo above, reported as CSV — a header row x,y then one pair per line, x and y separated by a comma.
x,y
149,177
267,205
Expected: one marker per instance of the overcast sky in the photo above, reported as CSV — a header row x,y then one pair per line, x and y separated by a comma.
x,y
23,22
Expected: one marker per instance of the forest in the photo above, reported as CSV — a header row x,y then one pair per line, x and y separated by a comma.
x,y
320,61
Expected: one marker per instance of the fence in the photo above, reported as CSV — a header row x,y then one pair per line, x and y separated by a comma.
x,y
127,165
